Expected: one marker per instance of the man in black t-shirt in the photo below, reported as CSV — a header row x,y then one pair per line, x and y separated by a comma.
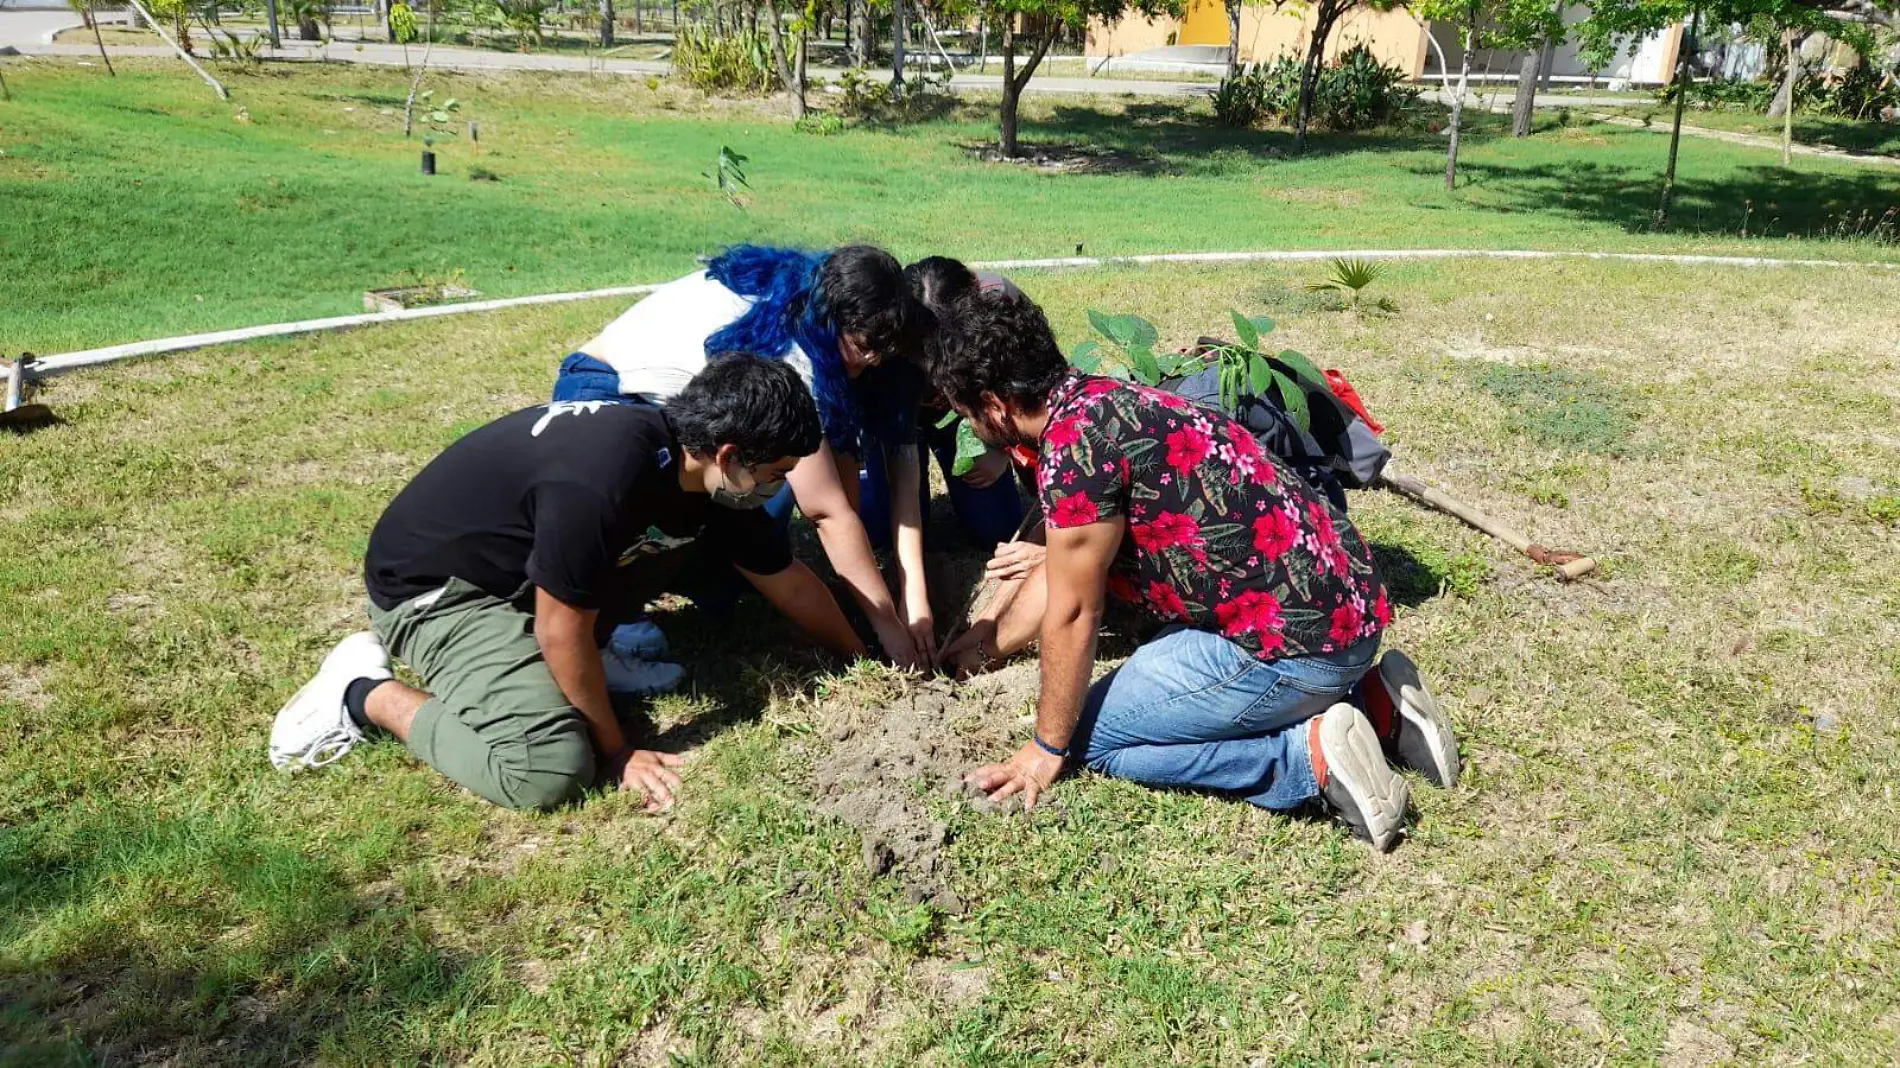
x,y
492,572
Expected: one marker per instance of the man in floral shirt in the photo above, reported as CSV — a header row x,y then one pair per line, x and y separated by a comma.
x,y
1271,601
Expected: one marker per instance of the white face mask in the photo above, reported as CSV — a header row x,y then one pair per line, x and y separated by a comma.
x,y
746,499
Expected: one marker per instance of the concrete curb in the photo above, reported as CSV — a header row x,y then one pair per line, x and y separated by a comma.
x,y
19,374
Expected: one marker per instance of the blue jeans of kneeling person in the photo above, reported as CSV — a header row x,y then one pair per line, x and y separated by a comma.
x,y
1192,709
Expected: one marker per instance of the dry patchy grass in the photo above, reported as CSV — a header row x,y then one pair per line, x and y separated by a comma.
x,y
1675,842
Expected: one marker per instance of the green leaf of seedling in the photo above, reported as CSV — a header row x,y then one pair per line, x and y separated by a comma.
x,y
1244,329
1147,370
1087,357
970,448
1106,325
1143,332
1262,374
1304,368
1262,325
1293,398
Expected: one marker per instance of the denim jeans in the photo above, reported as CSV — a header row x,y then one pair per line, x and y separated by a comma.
x,y
984,517
1192,709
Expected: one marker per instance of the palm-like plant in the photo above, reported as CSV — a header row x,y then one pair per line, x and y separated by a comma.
x,y
1349,277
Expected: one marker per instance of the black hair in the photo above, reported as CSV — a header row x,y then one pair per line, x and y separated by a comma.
x,y
939,281
866,295
757,405
994,343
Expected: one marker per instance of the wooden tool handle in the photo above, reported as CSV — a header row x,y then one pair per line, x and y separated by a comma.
x,y
1431,497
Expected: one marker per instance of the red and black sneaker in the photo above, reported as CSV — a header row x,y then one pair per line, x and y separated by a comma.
x,y
1410,725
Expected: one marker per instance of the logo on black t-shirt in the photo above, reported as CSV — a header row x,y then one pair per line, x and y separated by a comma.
x,y
652,543
565,408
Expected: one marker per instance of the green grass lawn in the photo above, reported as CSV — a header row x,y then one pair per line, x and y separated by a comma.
x,y
1879,138
142,206
1674,843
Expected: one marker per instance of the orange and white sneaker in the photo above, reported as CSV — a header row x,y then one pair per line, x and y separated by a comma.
x,y
1414,730
1354,779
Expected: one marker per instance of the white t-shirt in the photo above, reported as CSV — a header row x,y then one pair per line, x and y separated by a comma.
x,y
659,344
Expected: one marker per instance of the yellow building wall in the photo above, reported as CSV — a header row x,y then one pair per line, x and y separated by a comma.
x,y
1395,37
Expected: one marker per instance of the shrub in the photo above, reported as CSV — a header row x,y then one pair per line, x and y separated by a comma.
x,y
732,63
1356,92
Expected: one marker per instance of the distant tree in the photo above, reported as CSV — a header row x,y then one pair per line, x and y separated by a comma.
x,y
1029,27
1484,24
84,10
1530,70
1326,16
1611,20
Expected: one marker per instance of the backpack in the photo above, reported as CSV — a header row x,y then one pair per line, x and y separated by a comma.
x,y
1339,451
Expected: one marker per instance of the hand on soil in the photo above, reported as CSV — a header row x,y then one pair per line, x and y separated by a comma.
x,y
1030,772
646,771
898,645
1014,560
923,634
970,652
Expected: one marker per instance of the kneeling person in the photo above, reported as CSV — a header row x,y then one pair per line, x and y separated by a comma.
x,y
1272,605
494,572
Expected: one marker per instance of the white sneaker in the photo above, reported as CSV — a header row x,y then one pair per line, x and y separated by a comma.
x,y
1419,735
639,677
638,641
1354,777
314,729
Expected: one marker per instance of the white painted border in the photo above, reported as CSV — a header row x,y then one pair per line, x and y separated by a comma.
x,y
50,366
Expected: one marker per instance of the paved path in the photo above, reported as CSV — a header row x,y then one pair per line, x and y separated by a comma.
x,y
1752,140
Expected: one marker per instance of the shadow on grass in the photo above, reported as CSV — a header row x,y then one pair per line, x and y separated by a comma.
x,y
1757,201
1176,140
200,941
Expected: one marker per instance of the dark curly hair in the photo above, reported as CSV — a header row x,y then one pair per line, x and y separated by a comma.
x,y
760,406
994,343
865,294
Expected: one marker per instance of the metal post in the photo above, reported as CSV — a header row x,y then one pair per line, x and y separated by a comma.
x,y
270,9
16,383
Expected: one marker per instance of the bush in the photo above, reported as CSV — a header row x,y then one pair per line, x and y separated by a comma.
x,y
1356,92
866,96
733,63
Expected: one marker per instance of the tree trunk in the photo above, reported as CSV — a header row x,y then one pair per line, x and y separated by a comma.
x,y
606,23
900,28
786,76
1325,14
1526,102
1013,82
1010,97
1683,82
308,30
1458,110
101,42
1233,37
867,41
800,65
1786,96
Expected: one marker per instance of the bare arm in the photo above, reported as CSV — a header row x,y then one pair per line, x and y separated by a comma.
x,y
566,636
821,496
803,599
1077,584
905,471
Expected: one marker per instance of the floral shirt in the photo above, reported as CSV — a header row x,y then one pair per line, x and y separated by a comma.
x,y
1221,536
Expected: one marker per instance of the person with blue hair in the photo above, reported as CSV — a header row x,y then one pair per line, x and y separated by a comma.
x,y
847,323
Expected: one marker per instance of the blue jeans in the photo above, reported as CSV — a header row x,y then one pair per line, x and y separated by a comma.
x,y
1192,709
985,517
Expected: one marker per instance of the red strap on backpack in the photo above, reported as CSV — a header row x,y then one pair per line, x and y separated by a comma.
x,y
1350,398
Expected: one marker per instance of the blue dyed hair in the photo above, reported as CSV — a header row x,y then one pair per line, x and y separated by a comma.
x,y
789,309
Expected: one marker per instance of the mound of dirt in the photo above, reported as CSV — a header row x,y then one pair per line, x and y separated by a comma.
x,y
879,768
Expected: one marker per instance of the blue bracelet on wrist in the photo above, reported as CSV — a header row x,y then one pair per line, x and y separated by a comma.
x,y
1047,748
